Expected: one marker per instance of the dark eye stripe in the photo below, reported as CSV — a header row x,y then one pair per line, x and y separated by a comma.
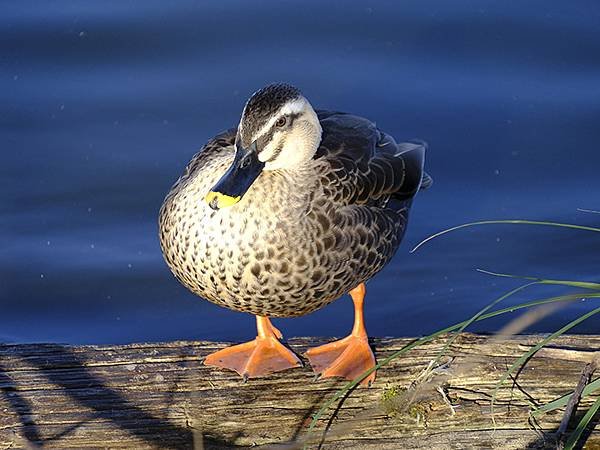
x,y
264,140
292,117
276,152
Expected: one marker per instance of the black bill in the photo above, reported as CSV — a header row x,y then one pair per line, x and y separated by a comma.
x,y
244,169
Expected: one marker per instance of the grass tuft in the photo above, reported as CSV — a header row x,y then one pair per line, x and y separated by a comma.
x,y
354,383
393,397
524,357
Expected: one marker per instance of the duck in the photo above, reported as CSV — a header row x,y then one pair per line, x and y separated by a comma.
x,y
285,213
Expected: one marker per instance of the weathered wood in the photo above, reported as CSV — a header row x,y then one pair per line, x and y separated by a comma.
x,y
159,396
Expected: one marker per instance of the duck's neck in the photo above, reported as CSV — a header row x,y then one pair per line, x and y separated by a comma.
x,y
287,190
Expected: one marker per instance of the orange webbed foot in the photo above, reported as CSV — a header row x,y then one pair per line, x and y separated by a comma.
x,y
349,357
257,358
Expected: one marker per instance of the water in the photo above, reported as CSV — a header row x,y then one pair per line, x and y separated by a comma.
x,y
102,105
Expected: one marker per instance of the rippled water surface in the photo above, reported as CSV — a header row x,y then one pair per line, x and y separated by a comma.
x,y
103,103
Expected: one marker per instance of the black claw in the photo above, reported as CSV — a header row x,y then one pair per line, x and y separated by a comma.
x,y
245,378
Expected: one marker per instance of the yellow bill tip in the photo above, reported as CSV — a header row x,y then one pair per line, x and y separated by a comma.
x,y
221,200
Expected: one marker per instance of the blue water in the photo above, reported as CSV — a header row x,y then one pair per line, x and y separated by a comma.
x,y
103,103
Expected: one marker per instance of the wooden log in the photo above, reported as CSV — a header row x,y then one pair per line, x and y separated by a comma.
x,y
159,396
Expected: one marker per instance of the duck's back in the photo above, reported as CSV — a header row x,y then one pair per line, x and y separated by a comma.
x,y
296,241
369,163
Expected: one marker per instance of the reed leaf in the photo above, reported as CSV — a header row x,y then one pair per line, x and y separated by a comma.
x,y
496,222
583,423
562,401
578,284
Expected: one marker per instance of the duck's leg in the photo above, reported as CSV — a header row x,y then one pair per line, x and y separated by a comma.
x,y
348,357
262,356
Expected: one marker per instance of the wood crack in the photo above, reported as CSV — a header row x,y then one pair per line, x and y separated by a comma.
x,y
155,396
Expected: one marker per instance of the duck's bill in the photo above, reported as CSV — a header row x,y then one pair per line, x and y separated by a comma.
x,y
232,186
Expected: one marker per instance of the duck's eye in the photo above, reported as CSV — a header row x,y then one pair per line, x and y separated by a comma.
x,y
245,163
281,122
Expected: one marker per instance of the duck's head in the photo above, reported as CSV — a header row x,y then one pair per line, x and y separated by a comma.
x,y
279,129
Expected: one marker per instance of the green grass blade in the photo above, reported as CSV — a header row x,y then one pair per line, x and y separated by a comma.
x,y
562,401
495,222
588,210
352,384
524,357
583,423
579,284
474,318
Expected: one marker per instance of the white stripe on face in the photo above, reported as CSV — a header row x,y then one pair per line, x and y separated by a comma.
x,y
292,107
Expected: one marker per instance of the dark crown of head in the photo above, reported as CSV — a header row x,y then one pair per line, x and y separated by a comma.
x,y
262,105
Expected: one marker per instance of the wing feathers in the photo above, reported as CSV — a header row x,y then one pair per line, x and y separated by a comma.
x,y
367,165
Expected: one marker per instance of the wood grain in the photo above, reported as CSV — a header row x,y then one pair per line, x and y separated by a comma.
x,y
159,396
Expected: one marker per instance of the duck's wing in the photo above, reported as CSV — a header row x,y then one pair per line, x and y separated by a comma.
x,y
211,152
366,165
211,149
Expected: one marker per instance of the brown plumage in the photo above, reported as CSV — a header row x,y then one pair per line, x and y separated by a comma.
x,y
298,239
284,215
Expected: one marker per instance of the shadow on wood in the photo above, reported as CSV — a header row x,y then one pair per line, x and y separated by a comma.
x,y
159,396
66,370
